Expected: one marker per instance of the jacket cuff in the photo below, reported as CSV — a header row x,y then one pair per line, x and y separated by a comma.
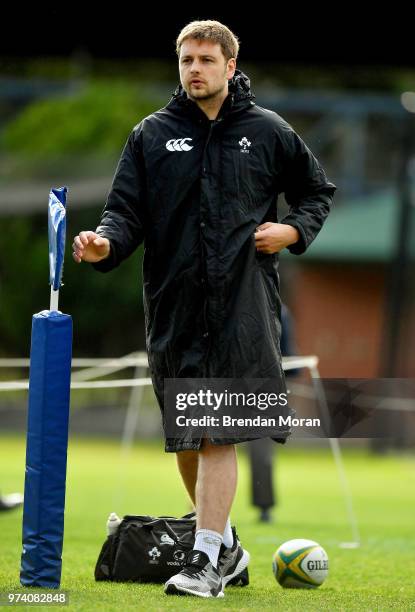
x,y
297,248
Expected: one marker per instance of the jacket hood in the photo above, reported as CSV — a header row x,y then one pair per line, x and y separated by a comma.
x,y
240,94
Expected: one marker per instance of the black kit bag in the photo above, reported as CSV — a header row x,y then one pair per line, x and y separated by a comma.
x,y
149,549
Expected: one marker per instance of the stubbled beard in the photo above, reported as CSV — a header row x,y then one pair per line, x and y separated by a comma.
x,y
204,96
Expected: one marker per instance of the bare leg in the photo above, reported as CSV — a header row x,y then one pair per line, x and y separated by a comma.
x,y
187,462
210,477
215,486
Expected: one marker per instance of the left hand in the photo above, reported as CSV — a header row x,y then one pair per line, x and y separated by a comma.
x,y
273,237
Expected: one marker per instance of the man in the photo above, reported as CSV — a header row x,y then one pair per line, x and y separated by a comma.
x,y
197,182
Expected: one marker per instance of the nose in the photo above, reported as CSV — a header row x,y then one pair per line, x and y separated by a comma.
x,y
195,66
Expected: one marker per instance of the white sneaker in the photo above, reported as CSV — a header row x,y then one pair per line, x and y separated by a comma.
x,y
198,577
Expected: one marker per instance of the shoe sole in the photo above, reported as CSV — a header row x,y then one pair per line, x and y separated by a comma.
x,y
173,589
242,564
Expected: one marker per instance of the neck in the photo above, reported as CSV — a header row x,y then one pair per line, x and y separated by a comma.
x,y
212,106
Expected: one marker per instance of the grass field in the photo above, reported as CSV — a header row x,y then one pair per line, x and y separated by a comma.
x,y
380,575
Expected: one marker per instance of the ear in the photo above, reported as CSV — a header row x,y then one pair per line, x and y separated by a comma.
x,y
230,68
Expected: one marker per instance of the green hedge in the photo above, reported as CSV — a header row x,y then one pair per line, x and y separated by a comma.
x,y
93,119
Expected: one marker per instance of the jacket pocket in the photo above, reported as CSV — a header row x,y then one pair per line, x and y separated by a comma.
x,y
267,265
255,183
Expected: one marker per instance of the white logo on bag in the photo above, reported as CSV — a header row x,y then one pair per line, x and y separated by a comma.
x,y
178,144
244,144
154,553
166,539
179,555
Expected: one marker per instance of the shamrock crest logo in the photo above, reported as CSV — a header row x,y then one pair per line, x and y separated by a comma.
x,y
244,144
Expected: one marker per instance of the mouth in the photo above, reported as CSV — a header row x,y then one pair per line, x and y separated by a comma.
x,y
196,82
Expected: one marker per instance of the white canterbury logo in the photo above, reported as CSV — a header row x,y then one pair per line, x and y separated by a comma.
x,y
178,144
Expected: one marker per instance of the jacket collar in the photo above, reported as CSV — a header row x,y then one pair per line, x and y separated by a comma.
x,y
240,97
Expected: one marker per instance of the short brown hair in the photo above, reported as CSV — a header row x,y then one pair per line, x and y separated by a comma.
x,y
213,31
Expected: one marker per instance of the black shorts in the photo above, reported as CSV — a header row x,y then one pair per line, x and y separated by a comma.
x,y
175,445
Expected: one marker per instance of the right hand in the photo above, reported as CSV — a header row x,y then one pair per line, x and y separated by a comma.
x,y
91,247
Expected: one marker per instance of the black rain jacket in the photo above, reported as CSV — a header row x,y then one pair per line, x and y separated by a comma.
x,y
194,191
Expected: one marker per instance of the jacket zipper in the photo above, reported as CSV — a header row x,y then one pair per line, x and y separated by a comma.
x,y
205,305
